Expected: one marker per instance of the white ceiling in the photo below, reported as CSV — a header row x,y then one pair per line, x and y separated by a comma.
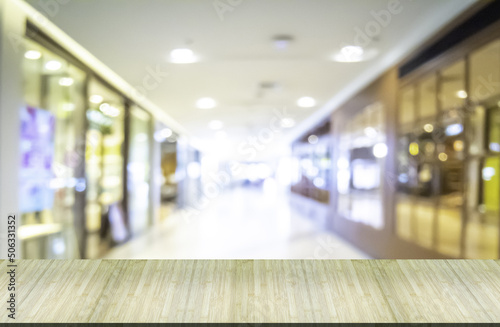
x,y
237,54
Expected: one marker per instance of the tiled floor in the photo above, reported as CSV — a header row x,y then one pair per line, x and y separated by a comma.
x,y
242,223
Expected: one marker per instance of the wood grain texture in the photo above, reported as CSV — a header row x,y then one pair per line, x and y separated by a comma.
x,y
255,290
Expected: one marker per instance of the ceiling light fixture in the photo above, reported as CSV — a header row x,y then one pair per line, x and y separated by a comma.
x,y
205,103
182,56
354,53
215,124
282,42
32,54
306,102
53,65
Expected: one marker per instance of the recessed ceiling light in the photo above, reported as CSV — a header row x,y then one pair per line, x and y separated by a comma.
x,y
182,56
215,124
354,53
95,99
282,42
287,122
65,81
32,54
205,103
53,65
306,102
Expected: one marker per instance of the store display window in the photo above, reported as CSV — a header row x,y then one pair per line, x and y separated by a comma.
x,y
313,155
139,170
52,139
105,218
360,167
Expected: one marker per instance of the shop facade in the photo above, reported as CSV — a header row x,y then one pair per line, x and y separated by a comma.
x,y
415,155
79,145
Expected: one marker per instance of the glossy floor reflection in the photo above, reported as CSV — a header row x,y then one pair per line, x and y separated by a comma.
x,y
242,223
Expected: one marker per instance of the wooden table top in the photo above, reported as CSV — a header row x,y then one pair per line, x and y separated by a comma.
x,y
255,290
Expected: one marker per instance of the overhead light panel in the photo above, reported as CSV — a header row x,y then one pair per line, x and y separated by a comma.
x,y
205,103
182,56
53,65
32,54
354,53
282,42
306,102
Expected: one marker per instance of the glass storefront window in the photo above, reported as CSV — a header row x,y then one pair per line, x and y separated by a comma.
x,y
322,161
493,139
477,128
430,165
452,86
314,164
166,141
424,208
105,221
407,106
485,72
362,150
138,170
52,152
482,232
427,97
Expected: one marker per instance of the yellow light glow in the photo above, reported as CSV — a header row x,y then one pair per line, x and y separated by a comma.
x,y
443,156
414,149
428,128
458,145
429,147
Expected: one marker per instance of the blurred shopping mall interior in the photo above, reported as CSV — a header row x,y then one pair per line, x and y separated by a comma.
x,y
251,128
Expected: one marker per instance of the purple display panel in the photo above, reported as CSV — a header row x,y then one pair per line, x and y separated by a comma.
x,y
37,154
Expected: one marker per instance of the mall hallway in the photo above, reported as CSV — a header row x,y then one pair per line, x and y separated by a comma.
x,y
241,223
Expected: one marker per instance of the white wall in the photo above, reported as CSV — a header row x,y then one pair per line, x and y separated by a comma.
x,y
11,100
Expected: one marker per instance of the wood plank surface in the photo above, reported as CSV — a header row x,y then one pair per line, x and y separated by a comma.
x,y
255,291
